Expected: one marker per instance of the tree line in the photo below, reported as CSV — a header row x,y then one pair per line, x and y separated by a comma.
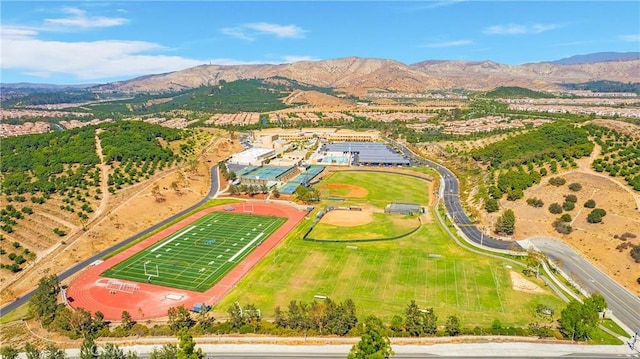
x,y
322,317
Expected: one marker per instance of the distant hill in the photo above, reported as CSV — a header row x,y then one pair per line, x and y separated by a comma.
x,y
39,86
597,57
358,76
516,92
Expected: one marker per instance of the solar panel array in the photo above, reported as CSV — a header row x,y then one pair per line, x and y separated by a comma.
x,y
368,153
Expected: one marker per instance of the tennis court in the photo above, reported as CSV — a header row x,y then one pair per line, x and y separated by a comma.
x,y
198,255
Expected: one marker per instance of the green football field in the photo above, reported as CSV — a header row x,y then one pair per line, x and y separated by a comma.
x,y
200,254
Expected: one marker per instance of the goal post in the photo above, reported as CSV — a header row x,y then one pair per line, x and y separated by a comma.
x,y
247,207
151,271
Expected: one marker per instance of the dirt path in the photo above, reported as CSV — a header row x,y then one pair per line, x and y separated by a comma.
x,y
130,211
585,167
59,220
104,178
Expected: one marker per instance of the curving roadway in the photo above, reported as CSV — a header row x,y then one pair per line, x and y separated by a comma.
x,y
82,265
624,305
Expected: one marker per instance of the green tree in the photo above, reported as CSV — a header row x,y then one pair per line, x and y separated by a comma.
x,y
88,350
179,318
595,216
491,205
452,327
81,323
44,301
412,320
575,187
568,206
167,351
31,351
596,301
186,347
112,351
555,208
565,218
236,318
374,344
53,352
534,260
126,321
578,321
98,321
590,204
506,223
9,352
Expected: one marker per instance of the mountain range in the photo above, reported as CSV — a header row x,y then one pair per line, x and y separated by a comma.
x,y
358,76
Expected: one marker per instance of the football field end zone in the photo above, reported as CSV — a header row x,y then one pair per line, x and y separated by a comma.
x,y
89,290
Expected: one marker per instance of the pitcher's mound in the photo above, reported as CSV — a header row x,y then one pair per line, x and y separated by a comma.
x,y
347,218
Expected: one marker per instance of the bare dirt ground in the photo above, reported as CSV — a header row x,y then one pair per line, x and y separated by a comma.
x,y
624,127
520,283
348,218
128,212
595,242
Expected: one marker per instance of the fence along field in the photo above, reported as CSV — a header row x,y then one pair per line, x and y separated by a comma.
x,y
199,255
383,277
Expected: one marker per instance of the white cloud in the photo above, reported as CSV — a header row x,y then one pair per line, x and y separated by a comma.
x,y
78,19
296,58
89,60
236,32
515,29
437,4
277,30
249,31
630,38
450,43
16,32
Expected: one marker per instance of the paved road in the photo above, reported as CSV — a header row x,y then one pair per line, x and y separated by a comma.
x,y
456,213
407,351
624,305
80,266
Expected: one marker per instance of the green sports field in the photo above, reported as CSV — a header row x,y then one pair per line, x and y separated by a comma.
x,y
200,254
383,277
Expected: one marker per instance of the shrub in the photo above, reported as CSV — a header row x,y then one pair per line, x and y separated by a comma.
x,y
557,181
568,206
575,187
535,202
596,215
514,194
590,204
555,208
635,254
565,218
571,198
562,228
491,205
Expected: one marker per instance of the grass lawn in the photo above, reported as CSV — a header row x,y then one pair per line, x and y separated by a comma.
x,y
382,188
383,226
611,325
200,254
383,277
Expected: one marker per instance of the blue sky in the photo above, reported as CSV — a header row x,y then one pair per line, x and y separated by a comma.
x,y
94,42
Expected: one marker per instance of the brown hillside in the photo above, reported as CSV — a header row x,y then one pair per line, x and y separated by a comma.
x,y
357,75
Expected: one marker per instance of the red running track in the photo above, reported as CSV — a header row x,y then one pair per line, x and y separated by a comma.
x,y
89,291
